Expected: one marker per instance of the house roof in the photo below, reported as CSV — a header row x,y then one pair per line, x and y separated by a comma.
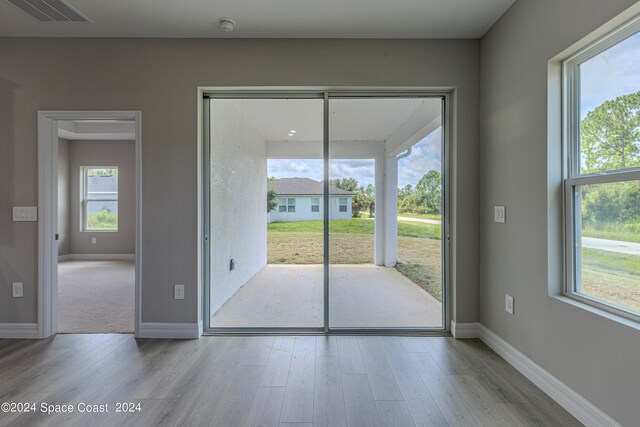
x,y
303,187
103,183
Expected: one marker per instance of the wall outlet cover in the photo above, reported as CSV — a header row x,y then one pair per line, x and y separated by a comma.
x,y
17,289
499,214
508,303
178,292
25,214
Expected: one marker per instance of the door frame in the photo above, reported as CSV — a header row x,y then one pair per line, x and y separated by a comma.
x,y
48,211
447,94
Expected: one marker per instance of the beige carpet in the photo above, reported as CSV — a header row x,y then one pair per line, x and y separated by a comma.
x,y
96,296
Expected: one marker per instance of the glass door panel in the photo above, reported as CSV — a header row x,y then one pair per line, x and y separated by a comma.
x,y
266,213
385,213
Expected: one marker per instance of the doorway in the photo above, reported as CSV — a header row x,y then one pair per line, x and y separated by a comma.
x,y
325,212
89,256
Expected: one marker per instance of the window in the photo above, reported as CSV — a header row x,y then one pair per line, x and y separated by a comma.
x,y
286,205
99,199
315,204
602,174
343,204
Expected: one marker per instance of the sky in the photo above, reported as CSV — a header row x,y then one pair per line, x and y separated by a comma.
x,y
425,155
612,73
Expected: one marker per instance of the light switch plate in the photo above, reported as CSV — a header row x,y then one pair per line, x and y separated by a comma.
x,y
25,213
499,214
178,291
508,303
94,240
17,291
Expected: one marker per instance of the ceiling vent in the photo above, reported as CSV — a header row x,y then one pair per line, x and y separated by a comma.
x,y
49,10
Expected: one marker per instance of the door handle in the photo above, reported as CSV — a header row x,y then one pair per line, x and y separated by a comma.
x,y
57,236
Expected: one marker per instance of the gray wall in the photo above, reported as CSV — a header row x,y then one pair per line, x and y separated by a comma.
x,y
64,200
160,78
593,355
104,153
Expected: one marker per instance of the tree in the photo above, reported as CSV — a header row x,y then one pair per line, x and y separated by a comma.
x,y
271,178
369,198
272,203
425,197
347,184
610,135
610,139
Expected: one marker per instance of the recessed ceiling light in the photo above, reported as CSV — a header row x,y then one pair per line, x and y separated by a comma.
x,y
226,24
292,131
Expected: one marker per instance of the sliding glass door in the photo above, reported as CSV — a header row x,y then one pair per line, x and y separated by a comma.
x,y
324,212
385,217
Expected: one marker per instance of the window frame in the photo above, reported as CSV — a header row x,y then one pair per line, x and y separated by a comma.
x,y
346,204
84,200
288,205
315,203
573,179
282,205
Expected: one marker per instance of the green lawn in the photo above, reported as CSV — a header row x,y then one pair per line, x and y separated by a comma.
x,y
612,277
356,226
437,217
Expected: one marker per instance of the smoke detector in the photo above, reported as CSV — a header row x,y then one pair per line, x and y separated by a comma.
x,y
226,25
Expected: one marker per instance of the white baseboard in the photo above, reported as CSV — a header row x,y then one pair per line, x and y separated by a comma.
x,y
96,257
585,411
464,330
19,330
169,330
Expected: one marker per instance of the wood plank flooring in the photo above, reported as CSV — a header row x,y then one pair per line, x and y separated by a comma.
x,y
271,381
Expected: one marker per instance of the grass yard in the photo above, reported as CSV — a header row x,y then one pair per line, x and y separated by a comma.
x,y
437,217
351,242
611,277
355,226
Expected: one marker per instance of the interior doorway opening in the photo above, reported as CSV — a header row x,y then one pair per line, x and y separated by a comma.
x,y
96,226
308,227
89,255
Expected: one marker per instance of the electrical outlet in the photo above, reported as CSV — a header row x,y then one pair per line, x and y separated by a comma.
x,y
499,214
178,291
508,303
94,240
17,291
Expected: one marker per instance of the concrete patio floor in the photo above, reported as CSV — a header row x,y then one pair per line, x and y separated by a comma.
x,y
361,296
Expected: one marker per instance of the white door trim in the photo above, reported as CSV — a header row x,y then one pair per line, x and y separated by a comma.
x,y
48,211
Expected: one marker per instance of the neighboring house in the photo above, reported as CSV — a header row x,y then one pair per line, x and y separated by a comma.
x,y
300,199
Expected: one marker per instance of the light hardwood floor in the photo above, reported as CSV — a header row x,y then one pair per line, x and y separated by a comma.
x,y
271,381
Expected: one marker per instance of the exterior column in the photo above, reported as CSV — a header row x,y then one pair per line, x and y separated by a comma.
x,y
391,213
379,234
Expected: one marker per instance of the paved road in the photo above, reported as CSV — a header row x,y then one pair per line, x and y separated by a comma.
x,y
628,248
423,220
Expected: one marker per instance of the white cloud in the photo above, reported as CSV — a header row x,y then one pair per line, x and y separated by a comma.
x,y
425,156
610,74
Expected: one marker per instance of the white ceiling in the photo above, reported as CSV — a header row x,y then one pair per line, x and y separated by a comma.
x,y
393,120
266,19
101,130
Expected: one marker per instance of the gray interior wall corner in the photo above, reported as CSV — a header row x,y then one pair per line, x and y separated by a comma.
x,y
593,355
